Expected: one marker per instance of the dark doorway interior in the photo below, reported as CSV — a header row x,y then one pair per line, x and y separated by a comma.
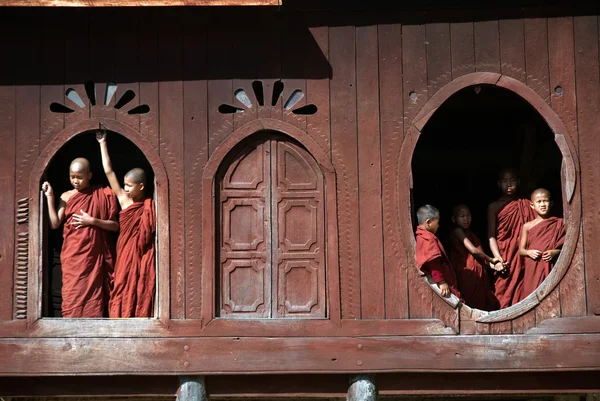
x,y
124,156
473,135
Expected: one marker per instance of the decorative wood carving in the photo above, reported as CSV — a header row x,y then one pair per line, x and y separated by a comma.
x,y
22,275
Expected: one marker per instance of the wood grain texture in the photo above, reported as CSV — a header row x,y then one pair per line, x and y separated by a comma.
x,y
344,152
536,55
463,52
487,47
439,58
171,148
587,33
127,64
102,43
149,75
549,307
524,322
565,325
369,174
77,73
512,48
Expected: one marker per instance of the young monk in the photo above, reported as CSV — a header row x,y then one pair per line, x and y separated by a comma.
x,y
471,262
87,253
431,256
506,217
133,292
541,241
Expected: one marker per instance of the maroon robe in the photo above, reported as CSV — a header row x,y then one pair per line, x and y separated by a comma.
x,y
135,275
547,235
473,280
432,259
509,223
87,254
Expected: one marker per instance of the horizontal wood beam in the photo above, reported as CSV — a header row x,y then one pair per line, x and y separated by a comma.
x,y
135,3
244,355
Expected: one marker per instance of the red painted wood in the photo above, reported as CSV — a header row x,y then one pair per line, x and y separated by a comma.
x,y
293,67
392,128
536,55
369,175
344,156
127,64
148,56
77,65
487,48
439,59
103,61
171,148
512,48
195,131
462,42
586,35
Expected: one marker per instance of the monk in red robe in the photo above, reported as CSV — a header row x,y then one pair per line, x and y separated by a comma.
x,y
471,262
541,242
506,217
87,255
135,274
431,256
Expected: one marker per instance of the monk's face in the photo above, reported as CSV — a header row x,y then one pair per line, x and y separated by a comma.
x,y
508,184
462,218
541,203
133,189
433,224
80,177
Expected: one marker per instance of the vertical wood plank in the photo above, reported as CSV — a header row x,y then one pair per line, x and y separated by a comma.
x,y
148,75
195,129
77,63
269,51
127,64
244,48
102,58
392,128
549,308
292,67
463,51
344,149
439,59
369,174
512,48
414,69
487,48
587,78
536,55
171,149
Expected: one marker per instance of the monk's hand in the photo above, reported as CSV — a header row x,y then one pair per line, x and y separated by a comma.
x,y
498,266
549,255
101,136
47,189
82,220
444,289
534,254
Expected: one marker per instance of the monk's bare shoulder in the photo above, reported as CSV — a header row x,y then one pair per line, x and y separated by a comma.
x,y
67,195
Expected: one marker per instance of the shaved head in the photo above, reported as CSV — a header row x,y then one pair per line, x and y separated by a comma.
x,y
456,209
80,164
136,175
508,170
427,212
541,191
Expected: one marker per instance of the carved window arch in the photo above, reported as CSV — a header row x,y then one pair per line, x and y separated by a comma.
x,y
570,172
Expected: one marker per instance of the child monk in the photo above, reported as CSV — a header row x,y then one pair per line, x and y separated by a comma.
x,y
506,217
541,241
87,259
133,292
431,256
471,262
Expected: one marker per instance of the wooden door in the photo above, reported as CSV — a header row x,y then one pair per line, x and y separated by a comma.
x,y
271,218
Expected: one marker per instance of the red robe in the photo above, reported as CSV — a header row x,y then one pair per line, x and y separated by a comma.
x,y
546,235
509,223
87,254
432,259
135,275
472,274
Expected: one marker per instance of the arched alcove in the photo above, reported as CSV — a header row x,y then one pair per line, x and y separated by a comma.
x,y
529,113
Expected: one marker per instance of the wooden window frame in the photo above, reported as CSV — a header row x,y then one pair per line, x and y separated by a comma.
x,y
65,327
571,194
283,326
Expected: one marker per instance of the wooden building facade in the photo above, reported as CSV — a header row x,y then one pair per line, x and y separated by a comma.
x,y
287,149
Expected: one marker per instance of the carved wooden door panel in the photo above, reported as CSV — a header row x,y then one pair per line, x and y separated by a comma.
x,y
271,240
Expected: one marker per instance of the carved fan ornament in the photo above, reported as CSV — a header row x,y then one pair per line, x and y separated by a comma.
x,y
257,87
90,91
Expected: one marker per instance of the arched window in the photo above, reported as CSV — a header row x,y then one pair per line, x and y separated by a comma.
x,y
270,242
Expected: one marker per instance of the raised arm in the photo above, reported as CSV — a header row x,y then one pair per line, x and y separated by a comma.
x,y
107,165
56,217
477,253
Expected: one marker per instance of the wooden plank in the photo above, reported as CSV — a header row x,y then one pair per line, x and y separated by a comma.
x,y
536,55
127,56
439,59
295,37
136,3
501,328
512,48
564,325
244,48
415,94
148,76
77,72
171,148
463,52
345,152
586,35
310,355
524,322
102,59
487,48
372,287
392,129
195,131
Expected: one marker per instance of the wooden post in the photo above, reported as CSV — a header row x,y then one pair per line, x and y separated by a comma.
x,y
362,388
192,388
